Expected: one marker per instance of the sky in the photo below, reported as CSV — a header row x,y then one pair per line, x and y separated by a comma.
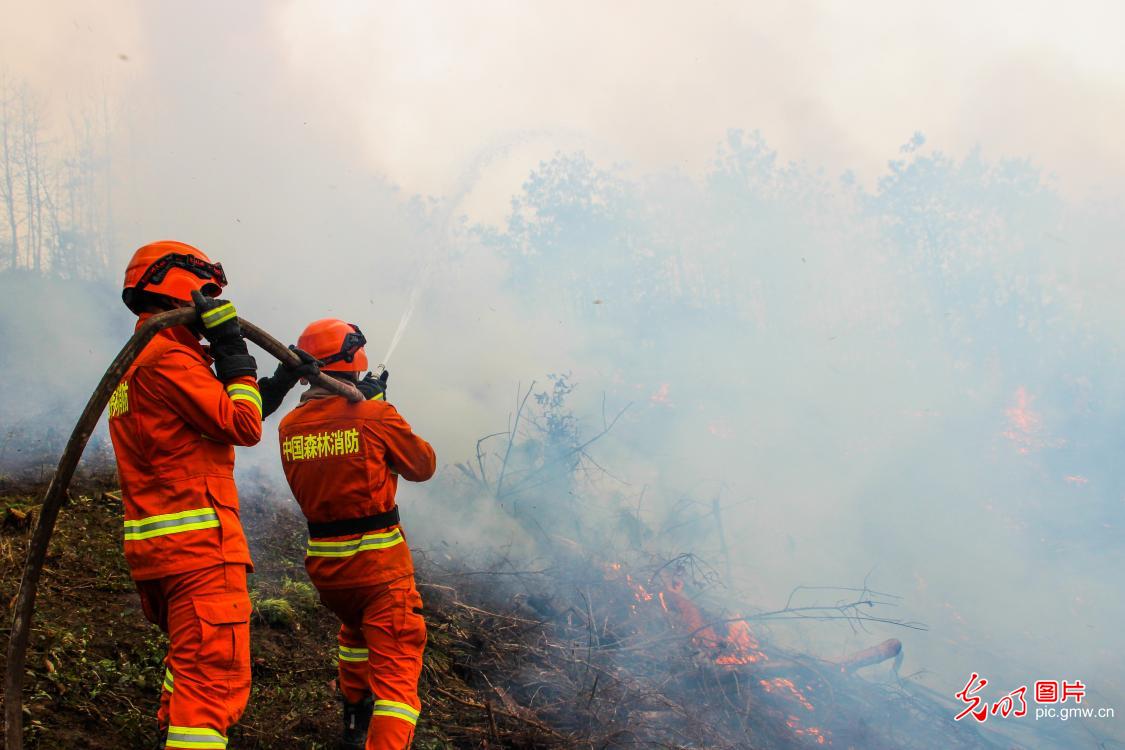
x,y
415,88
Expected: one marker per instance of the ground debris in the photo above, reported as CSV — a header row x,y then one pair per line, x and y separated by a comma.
x,y
625,658
583,654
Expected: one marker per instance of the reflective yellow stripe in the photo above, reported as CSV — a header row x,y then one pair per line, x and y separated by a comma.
x,y
168,681
249,390
240,392
369,541
201,738
220,310
397,710
243,397
168,517
212,322
219,315
352,654
170,523
139,536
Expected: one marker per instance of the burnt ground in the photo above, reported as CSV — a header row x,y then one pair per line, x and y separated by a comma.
x,y
95,664
577,655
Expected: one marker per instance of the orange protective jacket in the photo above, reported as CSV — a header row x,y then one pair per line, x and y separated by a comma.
x,y
173,426
343,461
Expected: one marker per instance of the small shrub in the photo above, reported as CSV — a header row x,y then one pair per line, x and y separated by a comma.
x,y
302,595
276,613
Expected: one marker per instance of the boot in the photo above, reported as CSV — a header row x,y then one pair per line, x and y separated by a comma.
x,y
357,717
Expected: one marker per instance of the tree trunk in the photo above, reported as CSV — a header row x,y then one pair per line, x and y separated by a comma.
x,y
28,194
9,178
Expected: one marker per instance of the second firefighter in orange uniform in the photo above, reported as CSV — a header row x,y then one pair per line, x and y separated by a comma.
x,y
343,461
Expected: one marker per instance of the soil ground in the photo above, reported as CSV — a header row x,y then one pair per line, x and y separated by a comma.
x,y
95,664
576,655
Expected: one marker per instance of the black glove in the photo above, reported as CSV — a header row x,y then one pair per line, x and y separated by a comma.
x,y
374,388
275,387
219,322
217,317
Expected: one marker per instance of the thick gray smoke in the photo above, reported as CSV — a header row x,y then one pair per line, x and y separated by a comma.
x,y
911,381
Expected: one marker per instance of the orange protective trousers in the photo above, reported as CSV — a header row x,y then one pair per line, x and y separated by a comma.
x,y
382,636
206,614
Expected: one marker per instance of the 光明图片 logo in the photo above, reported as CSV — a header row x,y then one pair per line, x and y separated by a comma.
x,y
1050,697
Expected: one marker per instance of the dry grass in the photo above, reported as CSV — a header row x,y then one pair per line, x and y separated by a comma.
x,y
581,655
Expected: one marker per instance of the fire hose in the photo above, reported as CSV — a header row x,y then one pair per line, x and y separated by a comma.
x,y
56,493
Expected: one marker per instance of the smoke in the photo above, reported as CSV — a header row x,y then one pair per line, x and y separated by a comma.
x,y
882,358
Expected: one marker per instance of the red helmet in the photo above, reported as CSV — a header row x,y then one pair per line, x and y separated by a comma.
x,y
172,269
338,345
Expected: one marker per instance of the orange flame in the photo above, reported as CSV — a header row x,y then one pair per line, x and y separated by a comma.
x,y
737,647
786,687
741,646
639,592
813,733
816,734
1025,426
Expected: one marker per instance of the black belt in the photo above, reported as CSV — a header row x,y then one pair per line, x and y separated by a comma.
x,y
347,526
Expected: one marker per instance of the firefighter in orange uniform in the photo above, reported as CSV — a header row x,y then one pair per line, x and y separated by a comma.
x,y
343,461
174,422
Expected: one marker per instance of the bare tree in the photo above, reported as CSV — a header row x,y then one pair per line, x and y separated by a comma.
x,y
88,229
55,195
29,158
9,177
